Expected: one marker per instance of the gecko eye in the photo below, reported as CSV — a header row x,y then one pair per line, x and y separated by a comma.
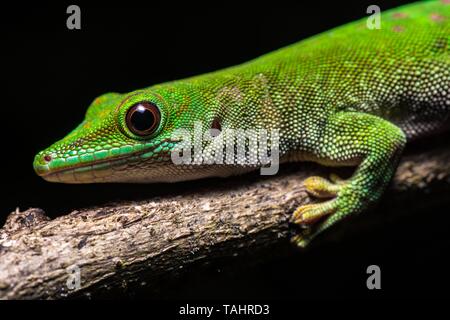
x,y
143,118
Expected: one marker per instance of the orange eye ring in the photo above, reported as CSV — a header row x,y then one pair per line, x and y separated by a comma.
x,y
143,118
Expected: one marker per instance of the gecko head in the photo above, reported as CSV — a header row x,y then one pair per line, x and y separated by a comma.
x,y
123,138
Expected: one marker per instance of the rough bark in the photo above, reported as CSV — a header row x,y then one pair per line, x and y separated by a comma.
x,y
137,242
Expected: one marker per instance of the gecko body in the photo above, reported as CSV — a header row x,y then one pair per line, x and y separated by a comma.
x,y
347,97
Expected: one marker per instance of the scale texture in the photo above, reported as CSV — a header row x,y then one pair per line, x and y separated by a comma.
x,y
351,96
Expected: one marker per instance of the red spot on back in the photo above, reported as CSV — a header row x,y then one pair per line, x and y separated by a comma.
x,y
437,17
398,28
445,1
399,15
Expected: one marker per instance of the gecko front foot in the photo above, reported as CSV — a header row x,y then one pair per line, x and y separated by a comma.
x,y
308,215
372,143
318,187
347,197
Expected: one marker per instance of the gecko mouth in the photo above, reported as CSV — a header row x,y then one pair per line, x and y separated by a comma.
x,y
98,169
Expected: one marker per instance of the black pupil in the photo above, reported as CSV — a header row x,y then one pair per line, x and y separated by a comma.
x,y
142,119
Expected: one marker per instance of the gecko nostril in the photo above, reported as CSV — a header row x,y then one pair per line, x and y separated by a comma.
x,y
47,158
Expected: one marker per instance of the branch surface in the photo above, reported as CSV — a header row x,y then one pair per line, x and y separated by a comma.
x,y
139,241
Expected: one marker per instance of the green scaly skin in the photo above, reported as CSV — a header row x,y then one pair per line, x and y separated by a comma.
x,y
348,97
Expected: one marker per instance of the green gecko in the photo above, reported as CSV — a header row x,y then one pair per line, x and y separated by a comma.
x,y
347,97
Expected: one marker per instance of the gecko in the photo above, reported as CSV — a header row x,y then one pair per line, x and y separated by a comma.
x,y
351,96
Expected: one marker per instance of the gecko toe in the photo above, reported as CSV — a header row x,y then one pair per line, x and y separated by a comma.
x,y
309,214
323,188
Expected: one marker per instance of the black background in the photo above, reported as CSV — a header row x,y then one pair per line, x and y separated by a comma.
x,y
52,74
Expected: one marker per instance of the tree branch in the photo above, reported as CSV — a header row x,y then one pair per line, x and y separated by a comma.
x,y
131,242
